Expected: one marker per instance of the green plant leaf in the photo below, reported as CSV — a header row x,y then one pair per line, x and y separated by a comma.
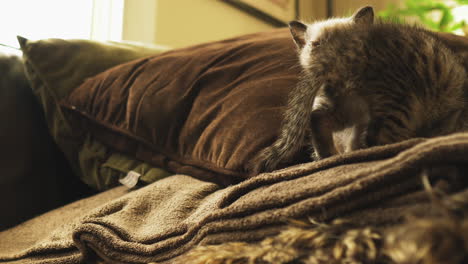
x,y
456,26
423,10
446,19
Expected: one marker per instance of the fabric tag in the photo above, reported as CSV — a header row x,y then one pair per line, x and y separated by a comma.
x,y
131,179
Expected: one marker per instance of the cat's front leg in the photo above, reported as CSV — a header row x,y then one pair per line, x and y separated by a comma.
x,y
321,137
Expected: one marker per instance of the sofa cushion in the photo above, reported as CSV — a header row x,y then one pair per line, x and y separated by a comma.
x,y
34,176
204,110
55,67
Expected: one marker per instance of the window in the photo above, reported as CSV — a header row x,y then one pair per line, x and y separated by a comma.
x,y
85,19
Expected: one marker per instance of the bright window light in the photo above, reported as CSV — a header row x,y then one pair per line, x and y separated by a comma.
x,y
69,19
107,20
461,14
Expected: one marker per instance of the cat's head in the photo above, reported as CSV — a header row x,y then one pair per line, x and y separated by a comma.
x,y
346,118
306,36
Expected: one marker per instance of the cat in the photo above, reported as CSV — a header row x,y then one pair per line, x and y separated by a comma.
x,y
367,83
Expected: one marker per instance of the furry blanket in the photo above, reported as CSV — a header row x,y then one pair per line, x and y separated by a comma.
x,y
286,216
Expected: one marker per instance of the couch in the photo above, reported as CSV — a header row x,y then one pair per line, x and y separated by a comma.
x,y
130,153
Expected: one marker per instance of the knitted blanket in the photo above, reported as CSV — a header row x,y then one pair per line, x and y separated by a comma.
x,y
167,220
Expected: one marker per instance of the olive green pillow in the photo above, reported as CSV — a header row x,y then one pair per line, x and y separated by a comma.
x,y
104,168
55,67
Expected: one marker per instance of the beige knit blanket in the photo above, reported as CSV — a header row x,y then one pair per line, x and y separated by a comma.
x,y
163,221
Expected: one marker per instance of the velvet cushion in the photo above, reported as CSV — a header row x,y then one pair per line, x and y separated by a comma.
x,y
204,110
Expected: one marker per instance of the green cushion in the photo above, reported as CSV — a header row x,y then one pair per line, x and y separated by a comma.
x,y
105,168
55,67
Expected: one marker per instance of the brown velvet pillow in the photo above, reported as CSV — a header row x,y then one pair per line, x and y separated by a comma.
x,y
204,110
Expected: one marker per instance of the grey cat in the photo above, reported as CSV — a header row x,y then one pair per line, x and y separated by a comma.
x,y
367,83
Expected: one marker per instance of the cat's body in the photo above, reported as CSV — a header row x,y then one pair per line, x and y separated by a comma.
x,y
367,84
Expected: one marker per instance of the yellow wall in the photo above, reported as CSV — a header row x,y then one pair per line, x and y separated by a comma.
x,y
139,21
178,23
346,7
311,10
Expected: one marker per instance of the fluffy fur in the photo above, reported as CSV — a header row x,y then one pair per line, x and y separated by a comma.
x,y
440,238
367,84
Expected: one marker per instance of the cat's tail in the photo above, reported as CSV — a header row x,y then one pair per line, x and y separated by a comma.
x,y
293,133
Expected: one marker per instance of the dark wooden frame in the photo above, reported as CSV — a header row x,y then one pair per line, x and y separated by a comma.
x,y
261,14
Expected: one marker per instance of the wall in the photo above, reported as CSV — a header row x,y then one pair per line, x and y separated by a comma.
x,y
179,23
139,21
311,10
346,7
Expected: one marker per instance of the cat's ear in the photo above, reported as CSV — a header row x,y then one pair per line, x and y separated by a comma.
x,y
364,15
298,31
